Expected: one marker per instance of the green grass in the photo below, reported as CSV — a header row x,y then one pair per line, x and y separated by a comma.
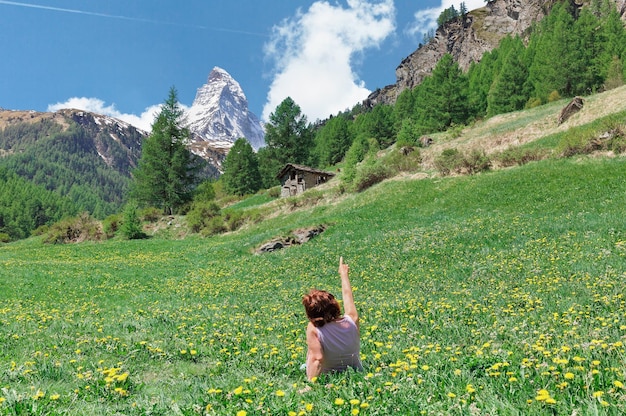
x,y
476,293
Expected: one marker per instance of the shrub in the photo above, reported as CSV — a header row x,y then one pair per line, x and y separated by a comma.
x,y
370,174
150,214
234,219
4,238
214,226
274,192
201,214
111,224
476,161
41,230
533,102
554,96
74,230
404,159
450,160
517,156
131,227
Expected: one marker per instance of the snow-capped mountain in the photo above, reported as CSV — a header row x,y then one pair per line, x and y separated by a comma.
x,y
220,115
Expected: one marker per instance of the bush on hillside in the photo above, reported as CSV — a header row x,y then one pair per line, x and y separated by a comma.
x,y
111,224
214,225
75,230
201,215
476,161
131,227
372,172
454,161
450,160
150,214
515,156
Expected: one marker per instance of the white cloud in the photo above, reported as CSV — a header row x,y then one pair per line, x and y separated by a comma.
x,y
426,19
96,105
314,52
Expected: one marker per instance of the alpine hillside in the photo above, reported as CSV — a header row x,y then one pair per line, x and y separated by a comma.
x,y
468,37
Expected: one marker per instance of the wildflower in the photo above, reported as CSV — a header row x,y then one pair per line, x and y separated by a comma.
x,y
364,405
242,413
457,372
308,407
354,402
339,401
451,395
280,393
238,390
598,394
55,396
470,389
618,384
355,411
569,376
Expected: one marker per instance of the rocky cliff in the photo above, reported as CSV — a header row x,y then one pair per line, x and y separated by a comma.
x,y
466,39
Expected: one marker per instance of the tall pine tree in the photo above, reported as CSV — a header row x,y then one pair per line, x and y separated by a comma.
x,y
167,171
241,169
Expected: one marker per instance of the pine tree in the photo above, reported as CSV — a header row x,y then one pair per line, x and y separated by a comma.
x,y
442,97
288,139
241,169
167,171
508,92
332,141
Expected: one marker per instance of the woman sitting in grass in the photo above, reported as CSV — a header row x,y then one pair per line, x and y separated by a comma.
x,y
333,340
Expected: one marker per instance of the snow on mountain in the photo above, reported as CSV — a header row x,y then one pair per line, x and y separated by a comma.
x,y
220,115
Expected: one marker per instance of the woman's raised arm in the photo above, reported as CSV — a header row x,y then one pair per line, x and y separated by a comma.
x,y
346,292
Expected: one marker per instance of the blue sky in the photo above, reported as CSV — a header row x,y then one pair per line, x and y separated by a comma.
x,y
120,57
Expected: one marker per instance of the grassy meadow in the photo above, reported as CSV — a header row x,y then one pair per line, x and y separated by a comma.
x,y
499,293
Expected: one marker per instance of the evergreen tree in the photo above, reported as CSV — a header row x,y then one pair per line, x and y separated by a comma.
x,y
241,169
288,139
442,97
131,227
167,171
332,141
551,44
508,91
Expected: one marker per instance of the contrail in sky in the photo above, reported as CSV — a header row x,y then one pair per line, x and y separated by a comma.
x,y
132,19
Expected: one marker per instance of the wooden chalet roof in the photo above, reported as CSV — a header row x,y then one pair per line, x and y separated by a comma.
x,y
302,168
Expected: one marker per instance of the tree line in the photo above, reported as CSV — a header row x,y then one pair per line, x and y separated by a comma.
x,y
570,52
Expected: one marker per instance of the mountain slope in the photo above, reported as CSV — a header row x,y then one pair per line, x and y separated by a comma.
x,y
220,115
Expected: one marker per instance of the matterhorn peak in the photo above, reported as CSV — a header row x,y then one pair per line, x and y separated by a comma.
x,y
220,114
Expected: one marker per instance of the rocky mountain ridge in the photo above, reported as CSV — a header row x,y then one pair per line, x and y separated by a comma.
x,y
220,114
468,38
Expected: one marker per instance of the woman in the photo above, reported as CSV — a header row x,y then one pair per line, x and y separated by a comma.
x,y
333,340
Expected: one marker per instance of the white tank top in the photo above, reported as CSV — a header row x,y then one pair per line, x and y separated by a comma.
x,y
341,345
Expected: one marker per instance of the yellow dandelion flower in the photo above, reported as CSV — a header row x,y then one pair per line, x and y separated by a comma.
x,y
598,394
354,402
470,389
457,372
280,393
451,395
242,413
339,401
618,384
425,367
291,413
550,400
55,396
569,376
355,411
308,407
2,399
364,405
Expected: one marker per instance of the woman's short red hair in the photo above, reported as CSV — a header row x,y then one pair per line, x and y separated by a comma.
x,y
321,307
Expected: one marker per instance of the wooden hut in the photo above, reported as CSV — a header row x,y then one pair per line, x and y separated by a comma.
x,y
295,179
